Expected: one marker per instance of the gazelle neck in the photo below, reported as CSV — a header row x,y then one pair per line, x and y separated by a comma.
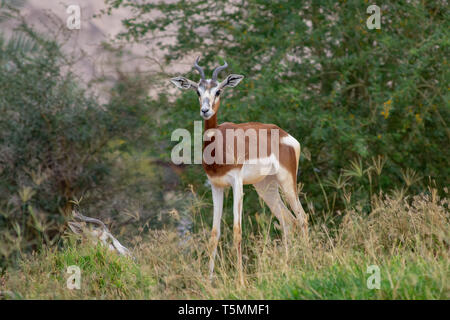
x,y
211,123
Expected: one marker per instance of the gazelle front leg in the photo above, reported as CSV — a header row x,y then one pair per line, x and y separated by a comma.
x,y
238,194
217,195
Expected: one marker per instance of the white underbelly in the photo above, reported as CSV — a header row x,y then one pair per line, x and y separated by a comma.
x,y
251,172
255,172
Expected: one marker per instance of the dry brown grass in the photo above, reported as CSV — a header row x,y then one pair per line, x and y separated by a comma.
x,y
407,238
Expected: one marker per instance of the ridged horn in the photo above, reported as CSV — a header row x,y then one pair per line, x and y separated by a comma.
x,y
79,216
199,69
217,71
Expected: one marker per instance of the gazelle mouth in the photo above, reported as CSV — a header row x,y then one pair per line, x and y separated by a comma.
x,y
207,115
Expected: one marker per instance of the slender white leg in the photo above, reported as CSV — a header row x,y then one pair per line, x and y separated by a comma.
x,y
238,194
217,195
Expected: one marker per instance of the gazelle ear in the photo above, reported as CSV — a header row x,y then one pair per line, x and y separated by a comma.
x,y
231,81
183,83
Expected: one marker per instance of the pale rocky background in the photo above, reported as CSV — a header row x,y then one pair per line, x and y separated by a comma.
x,y
92,60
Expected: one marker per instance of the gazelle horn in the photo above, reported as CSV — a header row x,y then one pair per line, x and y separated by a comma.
x,y
79,216
199,69
217,70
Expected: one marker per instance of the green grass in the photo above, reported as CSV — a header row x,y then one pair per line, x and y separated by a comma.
x,y
407,240
398,281
108,276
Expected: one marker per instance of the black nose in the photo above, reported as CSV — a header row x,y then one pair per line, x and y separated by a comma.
x,y
205,110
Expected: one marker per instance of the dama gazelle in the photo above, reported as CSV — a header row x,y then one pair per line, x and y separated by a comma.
x,y
277,168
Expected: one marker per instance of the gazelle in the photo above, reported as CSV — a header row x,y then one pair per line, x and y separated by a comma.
x,y
276,168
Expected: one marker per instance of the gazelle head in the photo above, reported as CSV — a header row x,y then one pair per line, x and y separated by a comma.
x,y
208,90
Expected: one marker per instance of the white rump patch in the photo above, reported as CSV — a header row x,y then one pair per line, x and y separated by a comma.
x,y
291,141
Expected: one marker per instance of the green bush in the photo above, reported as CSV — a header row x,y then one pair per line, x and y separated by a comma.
x,y
316,70
57,143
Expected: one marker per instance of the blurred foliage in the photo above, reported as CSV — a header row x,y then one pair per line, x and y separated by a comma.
x,y
345,92
57,144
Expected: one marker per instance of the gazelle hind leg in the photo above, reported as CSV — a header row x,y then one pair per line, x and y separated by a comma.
x,y
289,187
268,190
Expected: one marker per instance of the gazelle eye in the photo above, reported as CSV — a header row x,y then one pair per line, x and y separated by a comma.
x,y
198,93
217,93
